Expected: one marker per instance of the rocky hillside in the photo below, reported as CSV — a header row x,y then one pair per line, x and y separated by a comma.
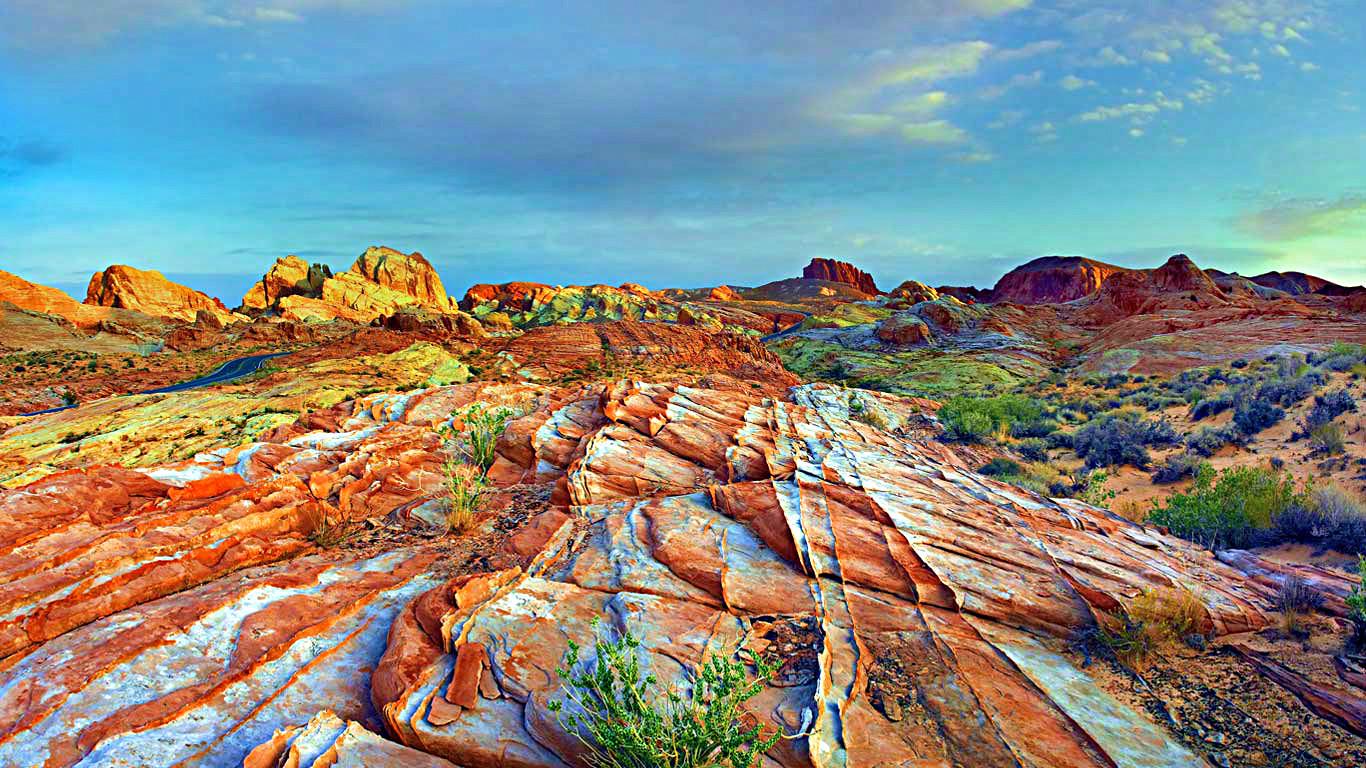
x,y
833,271
1053,280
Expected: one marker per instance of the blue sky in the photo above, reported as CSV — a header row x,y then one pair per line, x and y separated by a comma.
x,y
679,144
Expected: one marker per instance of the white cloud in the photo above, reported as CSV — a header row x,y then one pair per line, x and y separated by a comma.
x,y
1136,132
974,157
1280,50
933,132
1157,57
1309,66
1139,111
1074,83
272,15
1026,80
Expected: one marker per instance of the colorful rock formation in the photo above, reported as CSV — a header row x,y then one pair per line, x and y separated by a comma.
x,y
288,276
918,611
149,292
1053,280
840,272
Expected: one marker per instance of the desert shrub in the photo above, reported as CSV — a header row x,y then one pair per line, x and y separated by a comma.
x,y
1093,490
1059,440
1341,357
69,397
1254,415
1287,392
1327,439
1327,407
1328,516
1176,467
1240,363
1120,438
466,487
1212,406
1294,599
326,532
625,722
1230,509
999,467
477,429
973,419
1155,618
1356,606
1206,441
1033,449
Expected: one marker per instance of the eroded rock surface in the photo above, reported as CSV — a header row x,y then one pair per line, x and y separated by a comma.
x,y
921,612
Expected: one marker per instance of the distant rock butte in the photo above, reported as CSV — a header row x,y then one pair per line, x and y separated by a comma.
x,y
1053,280
409,274
149,292
1299,283
840,272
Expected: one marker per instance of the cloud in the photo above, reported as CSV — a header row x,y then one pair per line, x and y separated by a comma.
x,y
933,132
1028,51
1074,83
1141,111
1301,218
17,157
1157,57
1023,80
46,26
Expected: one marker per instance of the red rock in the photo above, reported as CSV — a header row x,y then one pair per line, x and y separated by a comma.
x,y
288,276
1053,280
904,330
840,272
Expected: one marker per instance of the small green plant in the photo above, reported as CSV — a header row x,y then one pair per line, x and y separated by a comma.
x,y
69,397
1094,491
466,487
625,722
1155,618
1294,599
1356,606
477,428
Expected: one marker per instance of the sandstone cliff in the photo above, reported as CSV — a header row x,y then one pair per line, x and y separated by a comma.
x,y
149,292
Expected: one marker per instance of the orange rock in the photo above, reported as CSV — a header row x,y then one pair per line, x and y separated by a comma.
x,y
149,292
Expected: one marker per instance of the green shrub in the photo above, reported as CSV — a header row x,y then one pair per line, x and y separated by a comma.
x,y
477,429
1295,598
466,487
1000,467
1206,441
973,419
626,723
1230,509
1356,606
1033,449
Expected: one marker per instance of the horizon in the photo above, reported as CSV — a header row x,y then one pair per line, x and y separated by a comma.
x,y
945,142
77,290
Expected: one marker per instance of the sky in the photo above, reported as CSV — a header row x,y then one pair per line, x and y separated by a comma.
x,y
679,143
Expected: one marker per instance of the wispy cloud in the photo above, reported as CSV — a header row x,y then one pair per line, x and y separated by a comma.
x,y
17,157
1301,218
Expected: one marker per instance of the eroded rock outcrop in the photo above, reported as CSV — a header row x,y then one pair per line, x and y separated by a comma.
x,y
833,271
149,292
288,276
919,611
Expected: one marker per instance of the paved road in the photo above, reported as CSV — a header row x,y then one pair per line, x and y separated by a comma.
x,y
233,369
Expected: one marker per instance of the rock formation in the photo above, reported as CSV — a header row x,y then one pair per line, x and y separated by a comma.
x,y
379,283
409,274
1053,280
914,292
288,276
840,272
149,292
903,330
1299,283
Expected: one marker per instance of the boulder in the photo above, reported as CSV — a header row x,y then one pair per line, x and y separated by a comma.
x,y
914,292
904,330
